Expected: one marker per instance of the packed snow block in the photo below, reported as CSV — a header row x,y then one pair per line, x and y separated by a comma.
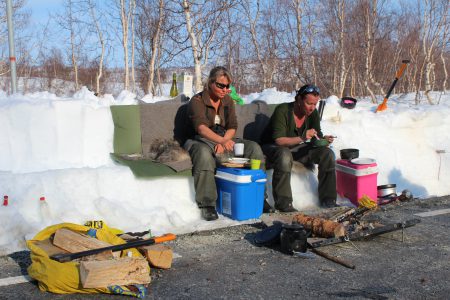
x,y
127,129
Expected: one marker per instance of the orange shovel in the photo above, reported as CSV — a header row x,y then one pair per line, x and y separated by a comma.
x,y
383,106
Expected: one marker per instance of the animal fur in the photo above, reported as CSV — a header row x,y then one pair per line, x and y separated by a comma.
x,y
167,150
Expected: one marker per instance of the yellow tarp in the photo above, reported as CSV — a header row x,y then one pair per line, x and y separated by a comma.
x,y
64,278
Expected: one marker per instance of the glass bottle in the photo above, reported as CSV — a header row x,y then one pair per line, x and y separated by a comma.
x,y
173,88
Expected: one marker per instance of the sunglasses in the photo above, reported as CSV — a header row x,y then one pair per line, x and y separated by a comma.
x,y
221,85
308,89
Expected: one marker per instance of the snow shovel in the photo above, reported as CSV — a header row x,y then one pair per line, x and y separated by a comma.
x,y
383,106
65,257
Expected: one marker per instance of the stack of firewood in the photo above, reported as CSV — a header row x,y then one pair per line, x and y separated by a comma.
x,y
107,268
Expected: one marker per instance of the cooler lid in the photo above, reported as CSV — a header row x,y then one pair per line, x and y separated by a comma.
x,y
241,175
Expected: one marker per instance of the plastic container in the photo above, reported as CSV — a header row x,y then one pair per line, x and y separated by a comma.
x,y
240,193
356,180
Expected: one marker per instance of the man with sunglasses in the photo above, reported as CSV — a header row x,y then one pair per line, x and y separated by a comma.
x,y
213,125
290,136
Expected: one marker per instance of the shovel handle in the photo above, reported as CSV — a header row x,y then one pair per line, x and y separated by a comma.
x,y
397,77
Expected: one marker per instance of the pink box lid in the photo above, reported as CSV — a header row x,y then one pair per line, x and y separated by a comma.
x,y
349,164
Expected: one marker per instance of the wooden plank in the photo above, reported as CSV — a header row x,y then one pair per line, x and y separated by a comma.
x,y
159,256
48,247
73,242
122,271
433,213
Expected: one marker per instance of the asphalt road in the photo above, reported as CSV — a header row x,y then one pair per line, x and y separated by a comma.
x,y
225,264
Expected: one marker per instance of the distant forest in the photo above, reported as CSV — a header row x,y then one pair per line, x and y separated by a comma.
x,y
346,47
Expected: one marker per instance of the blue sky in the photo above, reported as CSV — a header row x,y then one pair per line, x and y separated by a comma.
x,y
41,9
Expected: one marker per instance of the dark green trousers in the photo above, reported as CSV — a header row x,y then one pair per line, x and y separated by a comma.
x,y
204,166
281,160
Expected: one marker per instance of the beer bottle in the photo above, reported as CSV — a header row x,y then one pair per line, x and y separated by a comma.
x,y
173,88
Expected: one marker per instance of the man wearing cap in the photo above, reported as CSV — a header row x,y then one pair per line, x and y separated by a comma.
x,y
292,131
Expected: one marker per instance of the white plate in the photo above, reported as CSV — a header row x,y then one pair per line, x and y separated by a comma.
x,y
363,161
238,160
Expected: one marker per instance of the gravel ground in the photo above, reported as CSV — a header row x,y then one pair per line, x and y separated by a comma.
x,y
225,264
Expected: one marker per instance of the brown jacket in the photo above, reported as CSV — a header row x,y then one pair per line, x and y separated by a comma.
x,y
201,111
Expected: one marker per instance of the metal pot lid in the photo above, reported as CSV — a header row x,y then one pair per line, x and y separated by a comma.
x,y
386,186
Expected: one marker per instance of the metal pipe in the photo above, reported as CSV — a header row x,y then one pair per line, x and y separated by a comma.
x,y
12,52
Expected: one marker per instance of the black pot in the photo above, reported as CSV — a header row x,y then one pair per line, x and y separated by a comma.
x,y
293,238
349,153
348,102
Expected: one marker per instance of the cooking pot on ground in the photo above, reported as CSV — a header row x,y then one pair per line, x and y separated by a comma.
x,y
386,190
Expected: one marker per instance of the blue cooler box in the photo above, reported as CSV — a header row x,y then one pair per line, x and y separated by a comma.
x,y
240,193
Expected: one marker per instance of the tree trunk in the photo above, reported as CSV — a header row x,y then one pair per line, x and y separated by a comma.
x,y
195,48
155,49
124,22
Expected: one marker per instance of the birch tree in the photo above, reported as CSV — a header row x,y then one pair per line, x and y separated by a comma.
x,y
264,38
70,22
202,20
101,40
434,24
126,8
149,29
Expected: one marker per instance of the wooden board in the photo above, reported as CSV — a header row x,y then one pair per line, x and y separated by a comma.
x,y
234,165
159,256
122,271
48,247
73,242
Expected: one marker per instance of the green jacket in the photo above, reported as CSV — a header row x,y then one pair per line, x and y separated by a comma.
x,y
282,124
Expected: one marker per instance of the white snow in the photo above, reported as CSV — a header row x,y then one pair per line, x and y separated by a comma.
x,y
59,148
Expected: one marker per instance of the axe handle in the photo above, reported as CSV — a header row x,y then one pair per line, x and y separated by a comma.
x,y
65,257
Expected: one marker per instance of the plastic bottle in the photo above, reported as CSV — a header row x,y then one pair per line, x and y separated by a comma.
x,y
5,200
45,210
173,88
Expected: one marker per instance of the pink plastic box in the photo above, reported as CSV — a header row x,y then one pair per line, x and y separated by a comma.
x,y
355,180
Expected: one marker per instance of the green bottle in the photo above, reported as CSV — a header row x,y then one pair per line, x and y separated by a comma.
x,y
173,88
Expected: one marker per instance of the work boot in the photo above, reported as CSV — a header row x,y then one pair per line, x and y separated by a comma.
x,y
287,208
329,203
267,208
209,213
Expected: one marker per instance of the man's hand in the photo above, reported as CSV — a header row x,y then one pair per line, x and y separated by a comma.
x,y
329,138
228,145
310,133
219,149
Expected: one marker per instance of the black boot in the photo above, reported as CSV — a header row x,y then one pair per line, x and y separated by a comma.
x,y
328,203
287,208
267,208
209,213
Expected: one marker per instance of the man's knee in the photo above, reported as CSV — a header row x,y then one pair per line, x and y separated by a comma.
x,y
202,158
283,160
253,150
327,159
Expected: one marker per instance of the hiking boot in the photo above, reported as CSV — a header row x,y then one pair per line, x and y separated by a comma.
x,y
287,208
329,203
209,213
267,208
